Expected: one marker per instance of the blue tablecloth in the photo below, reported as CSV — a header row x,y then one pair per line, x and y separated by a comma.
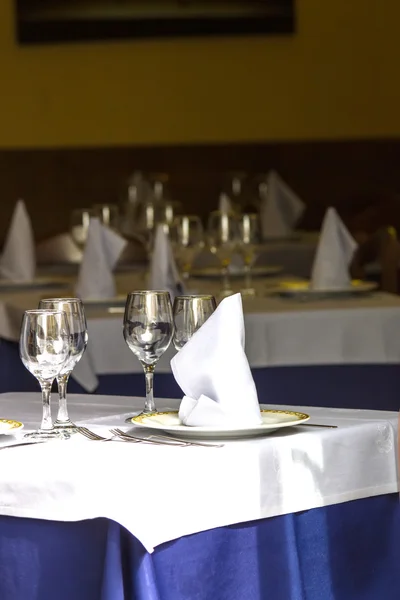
x,y
348,551
343,386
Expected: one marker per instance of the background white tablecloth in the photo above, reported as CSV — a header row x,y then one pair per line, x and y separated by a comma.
x,y
160,493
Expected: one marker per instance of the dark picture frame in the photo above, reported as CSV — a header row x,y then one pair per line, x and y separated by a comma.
x,y
36,25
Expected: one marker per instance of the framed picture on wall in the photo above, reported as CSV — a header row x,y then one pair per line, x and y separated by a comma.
x,y
50,21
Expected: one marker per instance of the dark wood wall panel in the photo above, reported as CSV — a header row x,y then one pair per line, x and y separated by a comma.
x,y
350,175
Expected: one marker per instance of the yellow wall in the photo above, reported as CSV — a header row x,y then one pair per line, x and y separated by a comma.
x,y
338,77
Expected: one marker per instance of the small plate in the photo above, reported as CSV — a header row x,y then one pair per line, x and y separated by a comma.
x,y
294,289
169,422
9,427
6,285
216,272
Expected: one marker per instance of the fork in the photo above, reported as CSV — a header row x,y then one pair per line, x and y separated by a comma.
x,y
163,440
91,435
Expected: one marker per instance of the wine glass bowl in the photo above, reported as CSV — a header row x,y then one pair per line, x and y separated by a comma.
x,y
249,235
148,331
190,313
187,238
222,239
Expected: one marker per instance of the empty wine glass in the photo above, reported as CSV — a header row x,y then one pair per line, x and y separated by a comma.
x,y
222,238
79,224
108,214
190,313
249,229
75,314
44,348
148,330
187,238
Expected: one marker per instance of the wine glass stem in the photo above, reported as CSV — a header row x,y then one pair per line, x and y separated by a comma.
x,y
225,279
248,279
47,422
62,381
149,405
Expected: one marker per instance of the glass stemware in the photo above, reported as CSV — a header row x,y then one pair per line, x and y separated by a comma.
x,y
187,238
108,214
249,229
44,348
75,314
222,238
148,330
79,225
190,313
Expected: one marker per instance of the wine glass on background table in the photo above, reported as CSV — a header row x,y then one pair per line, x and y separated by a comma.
x,y
44,348
190,313
249,229
75,314
148,331
222,239
187,238
79,225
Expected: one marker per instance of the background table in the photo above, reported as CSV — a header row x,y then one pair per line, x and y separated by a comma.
x,y
347,551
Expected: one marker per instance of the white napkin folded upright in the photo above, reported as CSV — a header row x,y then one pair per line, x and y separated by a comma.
x,y
334,253
164,274
213,372
18,261
102,250
281,208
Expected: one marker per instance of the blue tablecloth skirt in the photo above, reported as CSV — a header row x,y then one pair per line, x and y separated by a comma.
x,y
348,551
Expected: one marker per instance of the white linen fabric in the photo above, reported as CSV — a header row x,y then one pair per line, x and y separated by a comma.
x,y
102,251
18,261
290,471
164,274
334,253
213,372
280,209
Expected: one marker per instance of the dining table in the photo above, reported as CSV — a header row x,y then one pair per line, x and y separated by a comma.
x,y
304,513
341,352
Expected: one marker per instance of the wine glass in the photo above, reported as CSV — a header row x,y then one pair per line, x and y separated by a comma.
x,y
148,330
190,313
249,229
222,238
79,224
75,314
108,213
187,239
44,348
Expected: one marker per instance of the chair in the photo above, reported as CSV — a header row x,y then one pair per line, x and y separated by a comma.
x,y
381,250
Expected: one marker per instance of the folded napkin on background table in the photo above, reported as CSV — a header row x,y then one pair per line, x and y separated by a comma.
x,y
18,261
281,208
164,274
334,253
213,372
102,250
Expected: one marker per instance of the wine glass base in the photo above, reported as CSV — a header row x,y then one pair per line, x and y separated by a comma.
x,y
43,435
66,427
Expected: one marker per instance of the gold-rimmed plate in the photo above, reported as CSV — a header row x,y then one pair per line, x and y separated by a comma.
x,y
9,426
168,422
295,289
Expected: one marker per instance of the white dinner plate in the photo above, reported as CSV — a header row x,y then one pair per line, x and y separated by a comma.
x,y
168,422
216,272
39,283
295,289
9,426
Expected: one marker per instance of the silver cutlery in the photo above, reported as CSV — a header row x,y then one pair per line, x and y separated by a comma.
x,y
164,440
20,444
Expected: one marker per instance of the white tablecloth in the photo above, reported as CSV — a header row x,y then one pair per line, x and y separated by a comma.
x,y
160,493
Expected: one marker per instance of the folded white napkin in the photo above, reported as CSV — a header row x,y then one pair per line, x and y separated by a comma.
x,y
18,261
164,274
334,253
213,372
102,250
280,209
224,203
